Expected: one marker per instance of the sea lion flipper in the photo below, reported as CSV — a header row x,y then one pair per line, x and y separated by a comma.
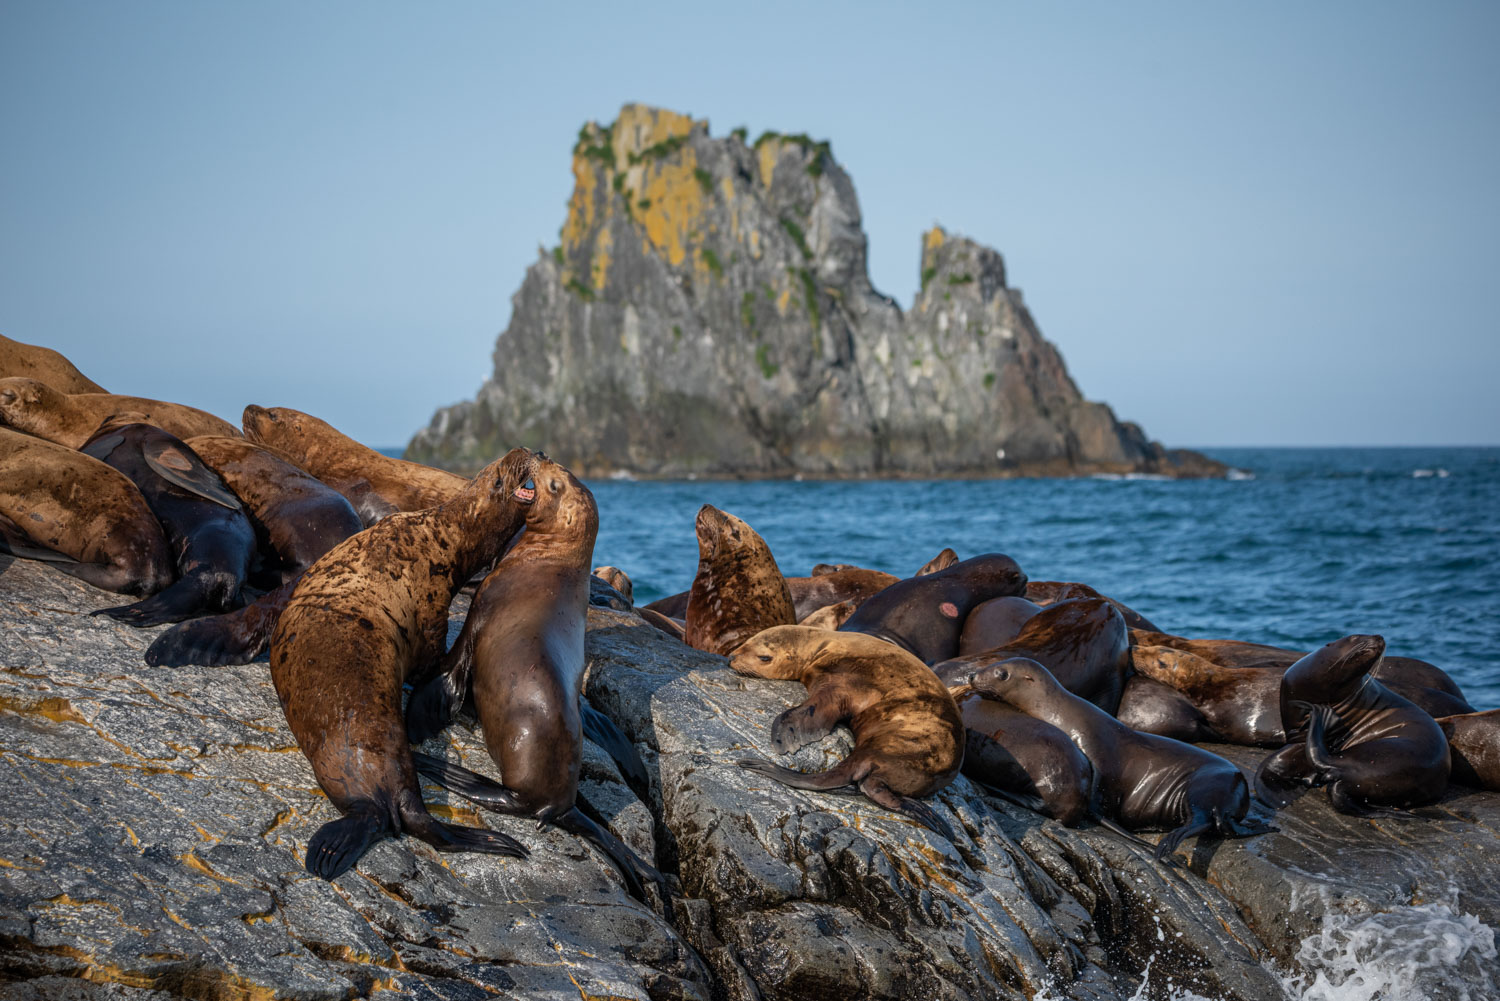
x,y
603,731
1111,825
806,724
176,464
434,704
927,817
837,777
631,866
1200,824
1279,774
17,543
338,844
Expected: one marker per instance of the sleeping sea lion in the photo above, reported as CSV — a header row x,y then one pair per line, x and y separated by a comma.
x,y
1045,592
375,484
942,561
71,419
994,623
738,590
908,735
30,361
617,579
205,524
80,515
522,647
925,615
1474,743
1349,732
831,616
1144,781
359,621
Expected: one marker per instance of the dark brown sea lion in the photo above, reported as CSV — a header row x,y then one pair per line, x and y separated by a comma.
x,y
235,637
847,584
78,514
942,561
1149,706
1474,743
674,606
925,615
295,514
375,484
71,419
617,579
908,735
1029,761
1237,705
522,646
1083,642
994,623
1045,592
30,361
362,618
1144,781
739,589
205,524
1349,732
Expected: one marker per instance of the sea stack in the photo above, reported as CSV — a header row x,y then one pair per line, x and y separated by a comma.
x,y
709,312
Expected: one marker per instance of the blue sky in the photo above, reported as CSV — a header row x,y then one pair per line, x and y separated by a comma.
x,y
1252,224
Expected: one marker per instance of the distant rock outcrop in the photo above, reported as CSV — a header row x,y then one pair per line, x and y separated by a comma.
x,y
709,311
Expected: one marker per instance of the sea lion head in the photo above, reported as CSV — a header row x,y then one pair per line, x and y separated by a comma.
x,y
508,478
617,579
22,400
561,503
1016,681
780,651
1330,674
720,532
280,427
1000,575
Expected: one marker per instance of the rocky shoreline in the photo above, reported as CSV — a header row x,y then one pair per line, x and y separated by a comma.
x,y
154,821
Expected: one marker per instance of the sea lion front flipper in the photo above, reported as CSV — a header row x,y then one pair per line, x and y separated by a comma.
x,y
338,844
1280,773
1343,801
433,705
18,543
177,464
808,723
603,731
369,505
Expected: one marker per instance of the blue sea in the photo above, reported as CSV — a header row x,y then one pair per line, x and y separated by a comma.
x,y
1310,544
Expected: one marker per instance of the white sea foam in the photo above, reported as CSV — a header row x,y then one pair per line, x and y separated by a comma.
x,y
1239,474
1422,474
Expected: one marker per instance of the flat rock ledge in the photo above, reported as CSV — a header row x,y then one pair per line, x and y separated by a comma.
x,y
153,823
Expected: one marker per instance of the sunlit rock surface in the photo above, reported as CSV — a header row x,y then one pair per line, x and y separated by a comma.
x,y
709,311
152,825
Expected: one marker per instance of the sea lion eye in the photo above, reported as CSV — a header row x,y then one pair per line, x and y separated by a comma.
x,y
765,659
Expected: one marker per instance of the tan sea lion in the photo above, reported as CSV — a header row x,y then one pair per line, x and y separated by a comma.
x,y
942,561
845,584
738,590
831,616
1474,743
375,484
908,735
617,579
81,516
522,648
71,419
30,361
360,621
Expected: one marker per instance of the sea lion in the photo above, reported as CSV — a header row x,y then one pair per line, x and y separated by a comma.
x,y
359,621
1045,592
1149,706
30,361
1083,643
1474,743
522,646
375,484
831,616
846,584
738,590
617,579
296,516
205,524
1349,732
71,419
234,637
672,627
1144,781
942,561
994,623
80,515
925,615
1236,705
908,735
1026,760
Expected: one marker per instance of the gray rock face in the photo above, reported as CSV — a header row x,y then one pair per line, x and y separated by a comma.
x,y
153,823
709,311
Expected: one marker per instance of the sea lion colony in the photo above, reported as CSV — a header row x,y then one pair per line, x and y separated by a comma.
x,y
343,562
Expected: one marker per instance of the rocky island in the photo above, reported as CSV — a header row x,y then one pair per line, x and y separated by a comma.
x,y
709,312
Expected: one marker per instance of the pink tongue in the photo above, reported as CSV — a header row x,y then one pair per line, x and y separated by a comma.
x,y
525,493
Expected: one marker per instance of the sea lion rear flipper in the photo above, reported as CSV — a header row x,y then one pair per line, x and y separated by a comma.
x,y
1200,824
883,795
469,784
236,637
1033,803
1280,773
835,778
416,821
603,731
338,844
632,867
176,463
1111,825
16,543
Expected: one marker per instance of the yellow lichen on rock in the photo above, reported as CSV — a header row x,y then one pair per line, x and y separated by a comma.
x,y
676,199
600,265
768,150
581,205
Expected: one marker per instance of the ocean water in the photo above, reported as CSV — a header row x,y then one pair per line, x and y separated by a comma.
x,y
1311,545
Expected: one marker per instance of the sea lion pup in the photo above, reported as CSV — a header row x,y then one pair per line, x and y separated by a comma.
x,y
1083,643
738,590
30,361
1045,592
71,419
942,561
617,579
80,515
908,735
1474,743
925,615
1144,781
375,484
296,515
1371,748
359,620
206,527
522,646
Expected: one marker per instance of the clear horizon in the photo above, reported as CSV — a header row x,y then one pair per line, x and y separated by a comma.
x,y
1245,225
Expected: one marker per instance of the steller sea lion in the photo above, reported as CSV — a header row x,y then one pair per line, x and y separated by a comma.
x,y
1236,705
359,621
925,615
738,590
522,649
30,361
1144,781
942,561
994,623
1474,743
1045,592
205,524
831,616
617,579
1347,731
375,484
908,735
845,584
1149,706
71,419
84,517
